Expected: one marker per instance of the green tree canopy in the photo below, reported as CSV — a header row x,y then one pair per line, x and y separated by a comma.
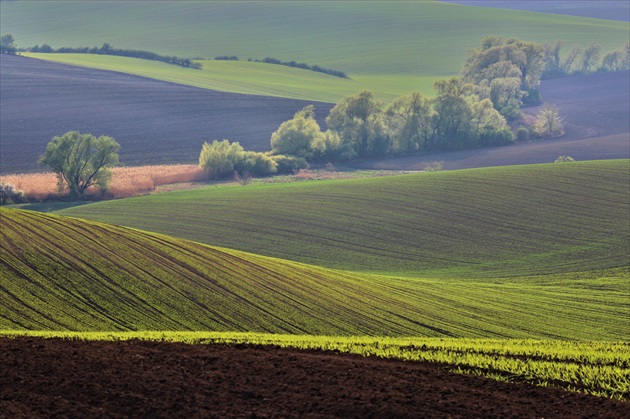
x,y
81,160
7,44
297,136
219,158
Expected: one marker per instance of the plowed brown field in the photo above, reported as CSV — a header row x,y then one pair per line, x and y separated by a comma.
x,y
71,378
155,122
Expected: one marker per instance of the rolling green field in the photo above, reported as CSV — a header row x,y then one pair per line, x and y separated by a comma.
x,y
508,221
61,273
391,48
598,368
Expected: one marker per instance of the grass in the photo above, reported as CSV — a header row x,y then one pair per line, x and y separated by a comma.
x,y
491,222
62,273
126,181
388,47
593,367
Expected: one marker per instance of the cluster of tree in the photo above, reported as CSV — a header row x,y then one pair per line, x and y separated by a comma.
x,y
7,44
583,60
303,66
506,71
81,161
107,49
223,159
361,126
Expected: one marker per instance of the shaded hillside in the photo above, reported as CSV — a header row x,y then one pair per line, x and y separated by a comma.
x,y
66,274
155,122
505,221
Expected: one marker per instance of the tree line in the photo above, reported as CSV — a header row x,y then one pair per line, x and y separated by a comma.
x,y
295,64
107,49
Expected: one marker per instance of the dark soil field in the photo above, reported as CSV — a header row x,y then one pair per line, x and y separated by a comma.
x,y
71,378
155,122
595,108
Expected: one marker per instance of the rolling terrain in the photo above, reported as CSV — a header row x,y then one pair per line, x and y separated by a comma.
x,y
67,274
492,222
155,122
372,39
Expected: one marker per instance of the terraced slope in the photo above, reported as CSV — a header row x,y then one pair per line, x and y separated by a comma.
x,y
493,222
61,273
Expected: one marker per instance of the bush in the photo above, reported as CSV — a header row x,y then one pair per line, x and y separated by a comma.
x,y
255,164
491,136
563,159
220,157
522,134
512,113
533,98
289,164
432,166
10,195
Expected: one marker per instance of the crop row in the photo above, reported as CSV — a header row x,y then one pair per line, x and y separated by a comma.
x,y
595,367
60,273
492,222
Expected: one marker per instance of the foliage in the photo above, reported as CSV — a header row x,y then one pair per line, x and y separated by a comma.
x,y
107,49
297,136
411,123
305,66
432,166
221,159
289,164
549,123
358,119
522,134
81,161
7,44
9,194
563,159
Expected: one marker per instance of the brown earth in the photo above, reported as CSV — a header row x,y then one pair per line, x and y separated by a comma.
x,y
155,122
72,378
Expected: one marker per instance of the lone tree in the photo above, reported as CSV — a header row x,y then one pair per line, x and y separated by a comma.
x,y
81,161
549,123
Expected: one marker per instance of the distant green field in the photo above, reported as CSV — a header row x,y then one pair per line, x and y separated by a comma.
x,y
594,367
61,273
389,47
492,222
252,78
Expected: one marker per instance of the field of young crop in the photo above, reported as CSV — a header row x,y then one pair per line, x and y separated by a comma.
x,y
388,47
492,222
595,367
62,273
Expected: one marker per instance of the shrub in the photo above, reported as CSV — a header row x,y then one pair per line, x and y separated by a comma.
x,y
563,159
255,164
432,166
289,164
10,195
491,136
220,157
522,134
512,113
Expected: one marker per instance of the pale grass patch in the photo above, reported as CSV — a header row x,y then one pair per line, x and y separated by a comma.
x,y
126,181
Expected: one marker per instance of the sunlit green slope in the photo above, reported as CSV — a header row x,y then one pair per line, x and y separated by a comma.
x,y
490,222
61,273
374,42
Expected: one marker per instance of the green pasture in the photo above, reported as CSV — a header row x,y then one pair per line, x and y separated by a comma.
x,y
389,47
61,273
479,223
594,367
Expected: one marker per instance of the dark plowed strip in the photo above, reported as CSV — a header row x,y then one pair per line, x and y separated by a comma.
x,y
44,378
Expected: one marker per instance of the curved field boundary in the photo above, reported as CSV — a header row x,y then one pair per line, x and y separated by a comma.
x,y
493,222
61,273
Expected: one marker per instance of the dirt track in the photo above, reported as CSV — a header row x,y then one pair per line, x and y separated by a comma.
x,y
45,378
